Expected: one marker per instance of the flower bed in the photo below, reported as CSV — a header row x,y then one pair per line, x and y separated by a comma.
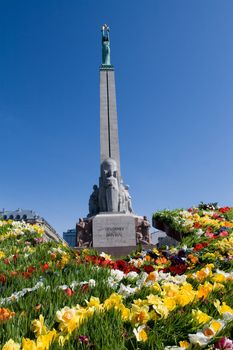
x,y
206,219
53,297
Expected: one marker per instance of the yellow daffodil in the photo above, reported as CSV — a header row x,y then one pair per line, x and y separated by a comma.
x,y
183,299
170,303
11,345
210,256
186,295
217,286
65,259
38,326
219,277
114,300
156,287
28,344
63,339
153,299
225,245
38,229
170,289
140,333
93,302
139,315
161,309
67,318
200,317
204,290
125,312
82,314
140,302
184,344
44,341
224,309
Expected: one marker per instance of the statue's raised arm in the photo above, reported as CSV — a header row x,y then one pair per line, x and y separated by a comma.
x,y
105,46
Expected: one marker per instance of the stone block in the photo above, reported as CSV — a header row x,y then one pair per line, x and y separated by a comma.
x,y
114,230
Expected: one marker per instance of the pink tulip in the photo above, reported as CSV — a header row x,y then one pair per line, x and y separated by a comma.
x,y
224,344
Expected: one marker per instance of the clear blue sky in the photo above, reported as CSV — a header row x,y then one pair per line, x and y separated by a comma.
x,y
174,75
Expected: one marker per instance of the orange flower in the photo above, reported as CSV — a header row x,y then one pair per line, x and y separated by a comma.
x,y
161,261
193,258
6,314
151,276
147,258
201,275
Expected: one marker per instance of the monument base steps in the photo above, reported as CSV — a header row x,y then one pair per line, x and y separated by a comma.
x,y
118,252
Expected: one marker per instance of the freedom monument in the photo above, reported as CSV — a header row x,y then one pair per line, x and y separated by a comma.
x,y
110,221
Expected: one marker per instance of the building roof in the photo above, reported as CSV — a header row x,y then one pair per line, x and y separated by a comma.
x,y
31,216
20,214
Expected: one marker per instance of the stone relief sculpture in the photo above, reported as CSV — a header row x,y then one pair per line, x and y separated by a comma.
x,y
145,229
110,189
94,202
122,204
128,200
84,233
142,230
112,195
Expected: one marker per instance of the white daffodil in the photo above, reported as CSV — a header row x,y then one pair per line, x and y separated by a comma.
x,y
132,275
126,290
199,338
91,283
199,232
117,275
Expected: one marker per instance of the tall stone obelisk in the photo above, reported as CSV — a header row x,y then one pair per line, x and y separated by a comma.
x,y
109,141
112,195
110,223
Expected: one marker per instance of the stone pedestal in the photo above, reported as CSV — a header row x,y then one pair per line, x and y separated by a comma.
x,y
114,230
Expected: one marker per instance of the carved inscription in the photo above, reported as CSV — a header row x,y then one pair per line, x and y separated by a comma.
x,y
114,231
